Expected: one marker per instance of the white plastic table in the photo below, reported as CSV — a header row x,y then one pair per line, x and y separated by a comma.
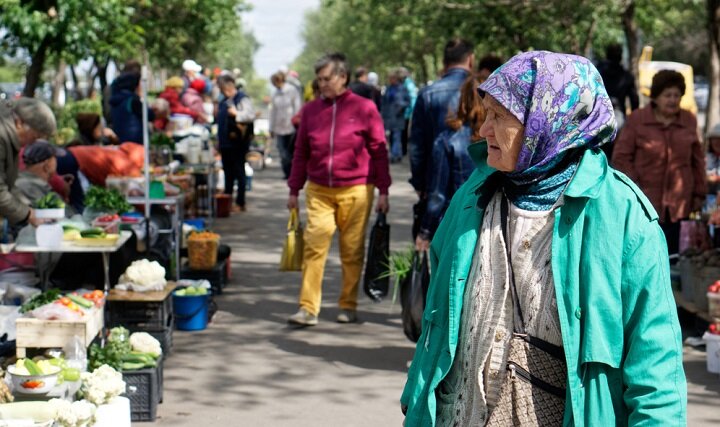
x,y
71,247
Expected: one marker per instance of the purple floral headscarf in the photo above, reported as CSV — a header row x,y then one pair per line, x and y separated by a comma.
x,y
561,101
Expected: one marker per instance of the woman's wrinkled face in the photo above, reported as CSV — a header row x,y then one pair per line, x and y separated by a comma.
x,y
668,102
504,135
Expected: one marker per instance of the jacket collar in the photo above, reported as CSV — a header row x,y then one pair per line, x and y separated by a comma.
x,y
338,98
456,71
588,179
685,119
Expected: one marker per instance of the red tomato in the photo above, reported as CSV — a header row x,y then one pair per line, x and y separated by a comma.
x,y
33,384
713,329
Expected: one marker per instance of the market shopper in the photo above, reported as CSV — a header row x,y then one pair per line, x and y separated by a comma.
x,y
284,104
192,99
712,160
92,132
171,94
22,121
548,263
433,104
341,150
126,108
660,151
235,132
394,103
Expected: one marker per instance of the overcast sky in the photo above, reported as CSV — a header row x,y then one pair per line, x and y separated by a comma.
x,y
277,25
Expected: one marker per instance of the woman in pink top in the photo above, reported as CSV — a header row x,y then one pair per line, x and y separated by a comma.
x,y
340,148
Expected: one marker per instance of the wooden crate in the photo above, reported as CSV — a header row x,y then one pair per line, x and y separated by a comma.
x,y
36,333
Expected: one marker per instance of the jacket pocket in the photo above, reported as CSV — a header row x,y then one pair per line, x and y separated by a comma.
x,y
601,320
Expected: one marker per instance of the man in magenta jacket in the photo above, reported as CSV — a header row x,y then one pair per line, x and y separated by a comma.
x,y
340,148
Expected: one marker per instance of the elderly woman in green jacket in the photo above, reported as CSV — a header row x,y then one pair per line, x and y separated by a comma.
x,y
550,301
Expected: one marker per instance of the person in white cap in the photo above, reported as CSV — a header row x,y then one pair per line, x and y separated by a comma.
x,y
191,69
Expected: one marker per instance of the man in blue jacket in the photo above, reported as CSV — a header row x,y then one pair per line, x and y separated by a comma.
x,y
433,104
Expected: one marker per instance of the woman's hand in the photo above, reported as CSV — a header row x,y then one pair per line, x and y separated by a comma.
x,y
422,244
292,203
382,204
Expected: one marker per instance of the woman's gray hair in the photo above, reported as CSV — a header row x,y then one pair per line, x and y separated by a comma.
x,y
36,114
337,60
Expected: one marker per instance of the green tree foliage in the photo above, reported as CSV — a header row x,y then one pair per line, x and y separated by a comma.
x,y
165,32
71,29
387,33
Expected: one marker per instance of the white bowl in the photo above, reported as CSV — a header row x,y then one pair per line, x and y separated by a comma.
x,y
50,213
33,384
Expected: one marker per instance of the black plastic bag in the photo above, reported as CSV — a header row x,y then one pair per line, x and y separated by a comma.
x,y
377,280
413,291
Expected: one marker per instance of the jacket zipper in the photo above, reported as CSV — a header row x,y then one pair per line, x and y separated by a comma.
x,y
517,371
332,143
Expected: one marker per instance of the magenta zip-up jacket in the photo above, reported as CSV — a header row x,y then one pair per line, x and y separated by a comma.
x,y
340,142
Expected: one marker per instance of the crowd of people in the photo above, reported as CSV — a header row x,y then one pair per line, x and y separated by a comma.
x,y
548,256
548,250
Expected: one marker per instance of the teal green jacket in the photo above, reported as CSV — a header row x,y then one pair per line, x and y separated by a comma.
x,y
618,318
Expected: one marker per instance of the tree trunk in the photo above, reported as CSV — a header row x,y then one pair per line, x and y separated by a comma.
x,y
712,114
76,89
587,46
631,36
32,76
58,84
102,67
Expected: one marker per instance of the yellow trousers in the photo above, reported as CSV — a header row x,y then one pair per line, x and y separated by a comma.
x,y
344,208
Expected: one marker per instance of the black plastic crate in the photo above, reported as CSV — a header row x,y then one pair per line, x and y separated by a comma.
x,y
143,390
166,339
141,315
216,276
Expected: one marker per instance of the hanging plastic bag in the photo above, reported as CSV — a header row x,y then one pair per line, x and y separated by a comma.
x,y
413,292
292,254
377,281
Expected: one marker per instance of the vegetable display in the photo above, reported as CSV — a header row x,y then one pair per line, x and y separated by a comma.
x,y
41,299
50,201
139,350
106,200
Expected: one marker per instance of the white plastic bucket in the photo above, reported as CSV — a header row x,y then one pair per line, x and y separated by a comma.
x,y
49,235
712,348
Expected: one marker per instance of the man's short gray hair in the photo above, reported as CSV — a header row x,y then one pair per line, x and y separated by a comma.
x,y
161,105
337,60
36,114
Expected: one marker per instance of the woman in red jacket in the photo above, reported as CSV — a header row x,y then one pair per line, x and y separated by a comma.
x,y
660,150
340,148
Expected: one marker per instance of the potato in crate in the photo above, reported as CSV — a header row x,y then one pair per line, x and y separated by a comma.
x,y
202,250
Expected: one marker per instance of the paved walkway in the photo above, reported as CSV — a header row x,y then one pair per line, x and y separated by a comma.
x,y
250,369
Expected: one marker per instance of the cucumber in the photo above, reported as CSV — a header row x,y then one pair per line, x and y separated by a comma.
x,y
32,367
82,302
129,366
93,233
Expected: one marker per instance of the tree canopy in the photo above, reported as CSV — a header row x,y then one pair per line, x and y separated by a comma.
x,y
387,33
163,32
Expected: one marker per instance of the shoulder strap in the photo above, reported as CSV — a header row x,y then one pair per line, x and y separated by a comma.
x,y
519,322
